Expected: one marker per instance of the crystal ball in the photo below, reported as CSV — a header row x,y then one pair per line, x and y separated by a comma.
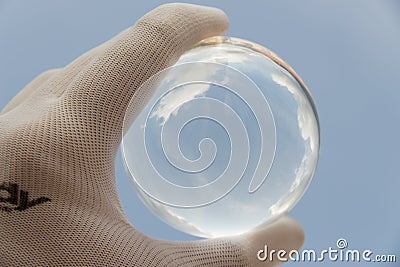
x,y
225,140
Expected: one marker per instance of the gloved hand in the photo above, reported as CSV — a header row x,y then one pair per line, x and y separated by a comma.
x,y
58,142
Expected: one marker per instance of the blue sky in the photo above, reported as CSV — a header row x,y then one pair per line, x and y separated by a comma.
x,y
346,52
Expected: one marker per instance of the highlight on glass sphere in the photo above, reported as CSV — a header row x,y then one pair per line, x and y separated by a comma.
x,y
222,142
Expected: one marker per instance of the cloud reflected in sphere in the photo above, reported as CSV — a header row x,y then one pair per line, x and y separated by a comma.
x,y
225,140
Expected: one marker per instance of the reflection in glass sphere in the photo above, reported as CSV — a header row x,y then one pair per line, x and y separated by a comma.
x,y
225,140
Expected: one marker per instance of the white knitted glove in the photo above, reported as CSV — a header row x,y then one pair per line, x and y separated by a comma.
x,y
58,142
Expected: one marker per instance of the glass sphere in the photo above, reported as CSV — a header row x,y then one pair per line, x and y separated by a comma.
x,y
225,140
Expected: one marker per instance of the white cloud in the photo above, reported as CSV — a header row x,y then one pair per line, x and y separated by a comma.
x,y
170,103
305,114
306,122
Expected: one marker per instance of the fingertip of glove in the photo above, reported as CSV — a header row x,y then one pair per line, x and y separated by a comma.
x,y
220,16
204,20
